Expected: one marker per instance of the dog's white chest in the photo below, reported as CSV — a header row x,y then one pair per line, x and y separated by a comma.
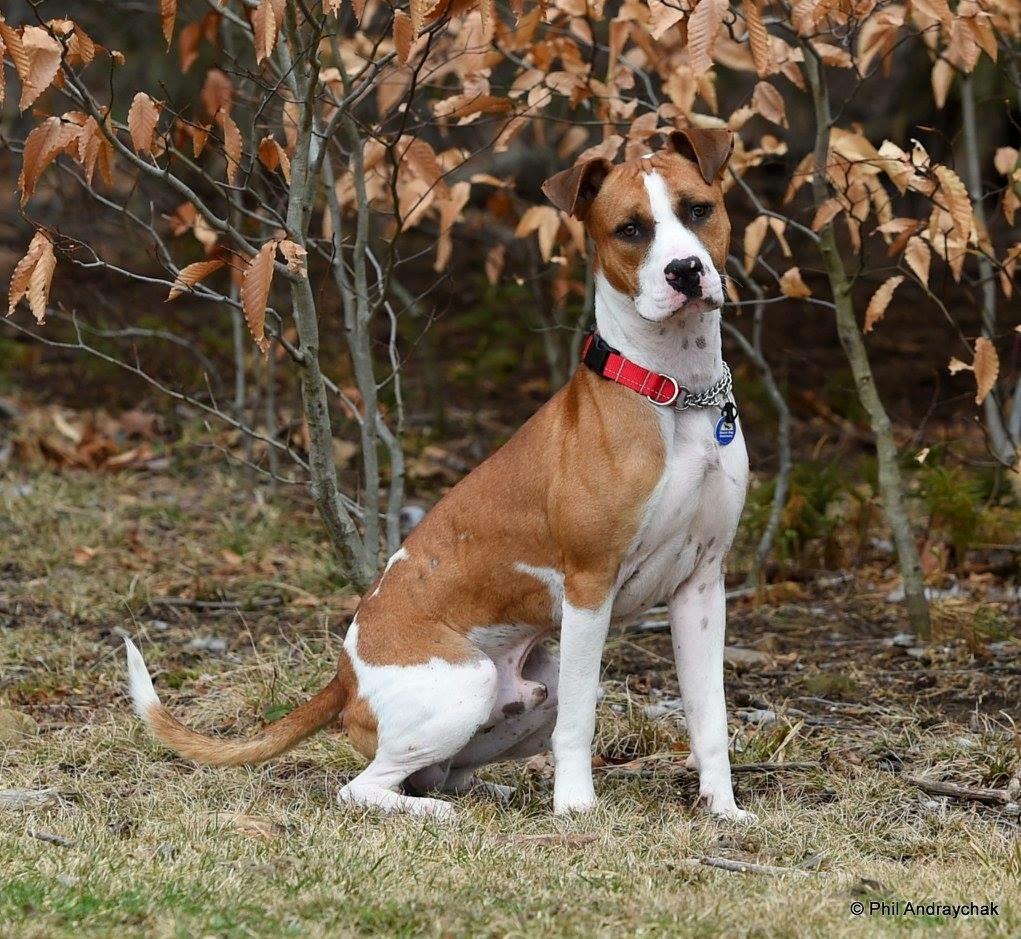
x,y
691,516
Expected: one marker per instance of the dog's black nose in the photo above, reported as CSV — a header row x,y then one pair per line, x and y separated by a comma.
x,y
685,276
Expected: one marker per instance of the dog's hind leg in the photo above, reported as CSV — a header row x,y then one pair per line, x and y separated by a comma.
x,y
425,714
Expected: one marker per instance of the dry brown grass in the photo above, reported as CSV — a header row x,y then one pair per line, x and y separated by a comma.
x,y
163,849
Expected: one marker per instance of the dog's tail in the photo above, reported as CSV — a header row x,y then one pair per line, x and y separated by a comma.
x,y
279,737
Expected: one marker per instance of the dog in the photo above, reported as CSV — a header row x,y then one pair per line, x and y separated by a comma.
x,y
622,492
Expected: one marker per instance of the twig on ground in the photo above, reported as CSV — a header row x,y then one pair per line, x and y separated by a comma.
x,y
636,768
24,798
191,604
50,838
937,787
743,867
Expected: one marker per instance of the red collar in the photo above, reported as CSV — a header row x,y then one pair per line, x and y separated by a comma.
x,y
609,363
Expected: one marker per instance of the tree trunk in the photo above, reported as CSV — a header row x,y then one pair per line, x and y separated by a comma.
x,y
891,483
999,435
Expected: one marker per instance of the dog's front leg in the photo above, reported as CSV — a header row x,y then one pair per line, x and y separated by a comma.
x,y
582,637
698,615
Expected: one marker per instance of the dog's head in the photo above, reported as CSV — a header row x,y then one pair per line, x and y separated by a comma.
x,y
658,223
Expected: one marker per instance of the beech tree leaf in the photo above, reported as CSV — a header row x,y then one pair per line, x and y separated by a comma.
x,y
168,14
791,284
404,36
232,146
758,38
703,26
294,254
23,271
189,276
143,115
42,53
881,300
986,368
754,235
918,258
264,30
42,146
40,279
255,284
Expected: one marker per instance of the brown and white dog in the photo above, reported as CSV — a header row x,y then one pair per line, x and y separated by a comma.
x,y
602,505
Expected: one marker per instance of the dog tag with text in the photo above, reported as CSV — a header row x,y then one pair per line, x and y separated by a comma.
x,y
726,426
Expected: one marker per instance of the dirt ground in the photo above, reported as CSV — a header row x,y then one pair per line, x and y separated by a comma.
x,y
841,723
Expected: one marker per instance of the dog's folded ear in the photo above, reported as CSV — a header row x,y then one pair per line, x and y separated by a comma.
x,y
709,148
573,191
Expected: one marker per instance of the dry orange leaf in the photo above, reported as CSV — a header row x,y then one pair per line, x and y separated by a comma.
x,y
168,14
232,146
42,53
23,271
40,280
264,30
986,368
768,101
754,235
274,157
828,211
3,74
143,116
42,146
703,26
791,284
958,204
189,276
544,220
255,284
881,300
918,258
404,36
758,38
294,254
217,92
419,10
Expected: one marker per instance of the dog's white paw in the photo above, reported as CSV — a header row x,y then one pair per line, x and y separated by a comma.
x,y
724,807
736,815
569,800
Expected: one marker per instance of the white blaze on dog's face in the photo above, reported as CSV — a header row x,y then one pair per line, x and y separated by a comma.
x,y
658,223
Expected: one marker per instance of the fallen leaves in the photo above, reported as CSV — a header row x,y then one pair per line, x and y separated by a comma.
x,y
15,725
92,440
255,826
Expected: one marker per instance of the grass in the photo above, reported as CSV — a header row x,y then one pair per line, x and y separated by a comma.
x,y
161,848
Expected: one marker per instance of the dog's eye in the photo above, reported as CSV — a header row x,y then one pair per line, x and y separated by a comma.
x,y
628,230
701,211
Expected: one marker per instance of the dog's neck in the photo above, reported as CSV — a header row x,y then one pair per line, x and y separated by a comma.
x,y
686,347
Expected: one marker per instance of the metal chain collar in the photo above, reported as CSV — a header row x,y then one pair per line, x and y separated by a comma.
x,y
713,397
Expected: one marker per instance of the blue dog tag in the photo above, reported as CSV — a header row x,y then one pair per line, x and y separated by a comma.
x,y
726,426
726,431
